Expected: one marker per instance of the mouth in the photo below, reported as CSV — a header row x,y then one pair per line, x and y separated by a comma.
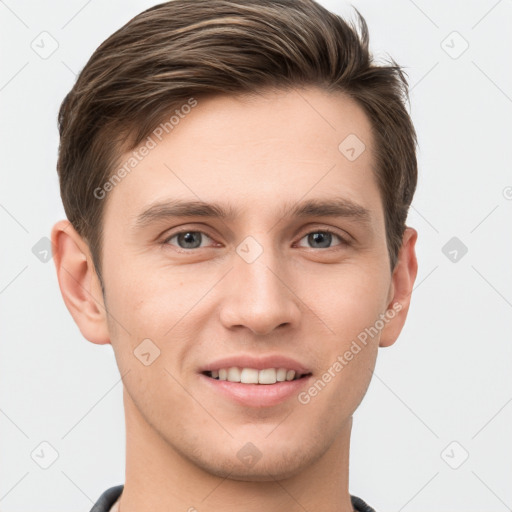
x,y
265,376
250,381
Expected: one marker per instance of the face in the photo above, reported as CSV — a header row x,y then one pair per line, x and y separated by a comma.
x,y
284,280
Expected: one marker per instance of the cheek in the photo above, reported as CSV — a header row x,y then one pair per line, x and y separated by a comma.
x,y
152,317
341,385
347,299
142,295
348,306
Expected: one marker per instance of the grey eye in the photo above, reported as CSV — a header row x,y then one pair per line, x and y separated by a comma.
x,y
188,239
321,239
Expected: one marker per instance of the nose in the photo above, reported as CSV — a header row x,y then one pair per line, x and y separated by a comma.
x,y
259,295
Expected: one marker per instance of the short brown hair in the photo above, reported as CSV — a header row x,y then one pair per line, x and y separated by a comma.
x,y
192,48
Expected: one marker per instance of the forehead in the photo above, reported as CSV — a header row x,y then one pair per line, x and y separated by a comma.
x,y
256,151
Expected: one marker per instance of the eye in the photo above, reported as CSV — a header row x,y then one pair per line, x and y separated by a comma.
x,y
188,239
322,239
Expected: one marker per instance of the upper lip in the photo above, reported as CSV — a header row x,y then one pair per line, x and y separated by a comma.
x,y
258,363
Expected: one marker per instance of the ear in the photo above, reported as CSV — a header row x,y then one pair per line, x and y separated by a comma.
x,y
79,283
400,291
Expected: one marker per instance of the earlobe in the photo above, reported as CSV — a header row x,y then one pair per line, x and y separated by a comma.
x,y
79,283
404,276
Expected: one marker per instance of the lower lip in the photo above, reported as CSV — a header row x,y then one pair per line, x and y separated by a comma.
x,y
257,395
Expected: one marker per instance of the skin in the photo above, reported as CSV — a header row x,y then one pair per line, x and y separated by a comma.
x,y
299,298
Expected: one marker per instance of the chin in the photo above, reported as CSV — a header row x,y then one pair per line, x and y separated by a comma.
x,y
275,463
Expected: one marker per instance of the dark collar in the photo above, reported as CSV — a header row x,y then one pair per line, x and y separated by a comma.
x,y
109,497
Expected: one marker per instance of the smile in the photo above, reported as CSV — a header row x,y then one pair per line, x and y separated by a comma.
x,y
254,376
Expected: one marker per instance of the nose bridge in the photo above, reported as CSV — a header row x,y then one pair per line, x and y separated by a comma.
x,y
258,297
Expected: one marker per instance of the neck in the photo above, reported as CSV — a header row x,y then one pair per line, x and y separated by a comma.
x,y
160,478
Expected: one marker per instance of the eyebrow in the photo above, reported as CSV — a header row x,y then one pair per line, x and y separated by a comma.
x,y
333,207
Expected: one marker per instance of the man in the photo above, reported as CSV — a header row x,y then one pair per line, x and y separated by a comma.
x,y
207,147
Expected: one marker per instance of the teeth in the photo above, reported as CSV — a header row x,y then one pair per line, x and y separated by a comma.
x,y
290,374
281,375
249,376
267,376
253,376
233,374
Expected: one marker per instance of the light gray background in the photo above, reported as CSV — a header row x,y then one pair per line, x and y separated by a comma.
x,y
447,378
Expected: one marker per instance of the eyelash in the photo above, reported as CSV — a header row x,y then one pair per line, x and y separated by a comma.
x,y
343,241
